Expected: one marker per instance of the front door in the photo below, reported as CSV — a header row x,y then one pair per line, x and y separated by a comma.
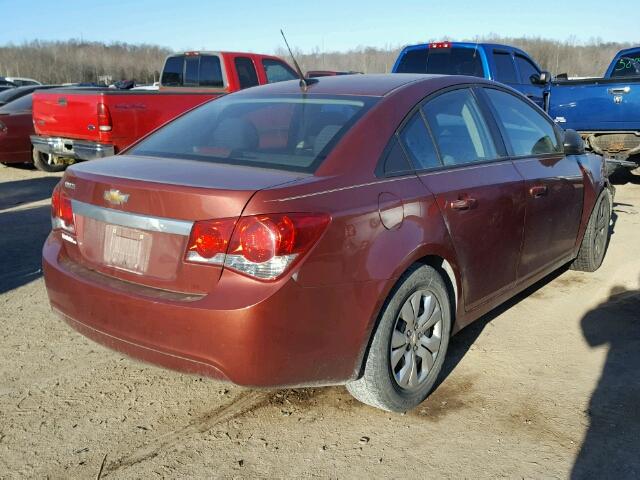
x,y
554,185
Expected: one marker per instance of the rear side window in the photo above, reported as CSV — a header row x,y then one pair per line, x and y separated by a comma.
x,y
246,72
172,73
446,61
528,132
505,69
528,72
277,71
396,161
192,71
417,141
459,128
289,132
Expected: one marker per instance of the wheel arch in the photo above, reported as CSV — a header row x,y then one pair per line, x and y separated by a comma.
x,y
444,263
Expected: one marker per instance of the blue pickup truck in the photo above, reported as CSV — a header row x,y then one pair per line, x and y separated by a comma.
x,y
605,111
503,63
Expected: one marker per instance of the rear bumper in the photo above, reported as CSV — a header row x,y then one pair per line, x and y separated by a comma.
x,y
67,147
289,336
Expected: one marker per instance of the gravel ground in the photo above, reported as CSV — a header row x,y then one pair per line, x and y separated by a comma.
x,y
546,386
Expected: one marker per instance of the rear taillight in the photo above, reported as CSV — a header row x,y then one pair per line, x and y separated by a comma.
x,y
61,211
261,246
104,118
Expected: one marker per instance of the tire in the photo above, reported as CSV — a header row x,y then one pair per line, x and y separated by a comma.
x,y
45,162
386,383
596,237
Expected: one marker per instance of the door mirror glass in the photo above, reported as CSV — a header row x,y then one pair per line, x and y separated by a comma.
x,y
573,143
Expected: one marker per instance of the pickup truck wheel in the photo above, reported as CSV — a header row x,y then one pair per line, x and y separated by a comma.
x,y
596,237
46,162
409,346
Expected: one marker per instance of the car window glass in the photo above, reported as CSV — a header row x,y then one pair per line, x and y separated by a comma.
x,y
172,72
210,72
21,104
528,132
289,132
191,70
418,144
396,160
505,70
528,71
277,71
627,66
459,129
446,61
246,72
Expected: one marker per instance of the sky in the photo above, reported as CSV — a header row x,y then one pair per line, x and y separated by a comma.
x,y
326,25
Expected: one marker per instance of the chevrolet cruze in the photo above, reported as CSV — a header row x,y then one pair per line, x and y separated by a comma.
x,y
338,233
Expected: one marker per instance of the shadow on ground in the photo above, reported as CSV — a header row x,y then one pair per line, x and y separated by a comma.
x,y
23,230
26,191
610,448
622,176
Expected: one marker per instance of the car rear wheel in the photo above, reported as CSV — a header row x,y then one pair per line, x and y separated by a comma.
x,y
47,162
596,237
409,346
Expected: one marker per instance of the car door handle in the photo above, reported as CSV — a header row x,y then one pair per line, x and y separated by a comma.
x,y
465,203
538,191
619,90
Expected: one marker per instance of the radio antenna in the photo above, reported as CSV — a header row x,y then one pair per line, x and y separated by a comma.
x,y
304,82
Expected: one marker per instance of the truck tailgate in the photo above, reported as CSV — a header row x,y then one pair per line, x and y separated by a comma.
x,y
67,114
596,105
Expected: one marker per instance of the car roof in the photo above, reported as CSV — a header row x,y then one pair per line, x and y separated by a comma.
x,y
375,85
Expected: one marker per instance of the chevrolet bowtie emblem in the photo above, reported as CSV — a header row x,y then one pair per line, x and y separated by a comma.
x,y
115,197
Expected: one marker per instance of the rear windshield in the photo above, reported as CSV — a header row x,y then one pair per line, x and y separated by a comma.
x,y
192,71
288,132
445,61
628,66
22,104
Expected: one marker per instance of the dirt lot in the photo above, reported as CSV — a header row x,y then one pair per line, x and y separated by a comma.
x,y
545,387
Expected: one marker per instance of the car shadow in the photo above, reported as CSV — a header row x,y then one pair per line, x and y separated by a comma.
x,y
26,191
610,447
622,176
23,234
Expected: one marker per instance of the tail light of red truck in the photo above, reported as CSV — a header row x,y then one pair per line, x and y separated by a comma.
x,y
104,118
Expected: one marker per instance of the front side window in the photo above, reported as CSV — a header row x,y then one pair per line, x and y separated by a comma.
x,y
290,132
505,69
246,72
528,132
529,74
277,71
459,129
418,144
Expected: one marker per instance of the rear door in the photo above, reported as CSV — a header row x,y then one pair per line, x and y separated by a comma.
x,y
553,182
478,190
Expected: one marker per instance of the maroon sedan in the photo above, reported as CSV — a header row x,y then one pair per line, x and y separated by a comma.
x,y
16,126
335,235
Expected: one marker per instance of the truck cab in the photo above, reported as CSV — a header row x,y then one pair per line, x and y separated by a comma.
x,y
502,63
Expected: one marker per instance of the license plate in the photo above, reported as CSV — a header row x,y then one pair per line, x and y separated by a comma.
x,y
126,248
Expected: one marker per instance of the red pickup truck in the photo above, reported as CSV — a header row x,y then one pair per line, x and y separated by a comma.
x,y
85,124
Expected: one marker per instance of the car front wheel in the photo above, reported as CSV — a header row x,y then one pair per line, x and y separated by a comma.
x,y
409,345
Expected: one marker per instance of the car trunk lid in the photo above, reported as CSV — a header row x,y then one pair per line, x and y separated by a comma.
x,y
133,215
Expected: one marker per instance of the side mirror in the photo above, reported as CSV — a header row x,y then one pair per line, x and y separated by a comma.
x,y
542,78
573,143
